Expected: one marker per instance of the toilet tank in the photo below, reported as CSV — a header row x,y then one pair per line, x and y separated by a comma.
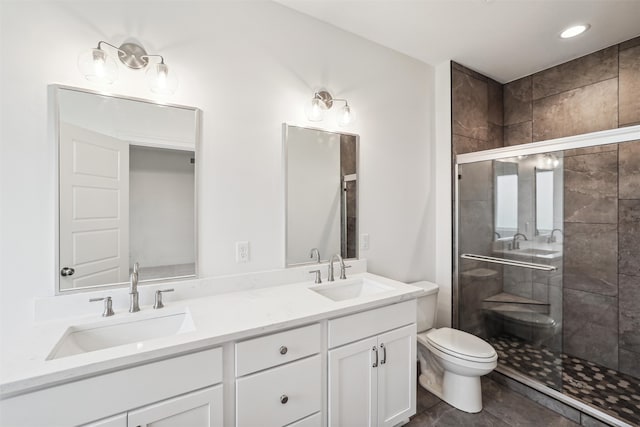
x,y
427,305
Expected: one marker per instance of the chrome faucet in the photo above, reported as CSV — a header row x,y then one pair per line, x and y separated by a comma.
x,y
133,290
316,252
516,244
342,268
552,238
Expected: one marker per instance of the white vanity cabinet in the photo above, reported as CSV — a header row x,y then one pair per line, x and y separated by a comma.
x,y
152,392
372,381
279,379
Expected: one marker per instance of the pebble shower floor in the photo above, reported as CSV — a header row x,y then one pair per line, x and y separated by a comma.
x,y
608,390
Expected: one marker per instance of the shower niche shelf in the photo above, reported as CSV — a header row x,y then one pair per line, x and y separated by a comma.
x,y
513,303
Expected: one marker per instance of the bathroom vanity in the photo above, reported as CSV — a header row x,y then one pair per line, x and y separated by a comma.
x,y
297,354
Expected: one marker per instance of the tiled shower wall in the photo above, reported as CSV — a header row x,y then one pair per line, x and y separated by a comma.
x,y
601,295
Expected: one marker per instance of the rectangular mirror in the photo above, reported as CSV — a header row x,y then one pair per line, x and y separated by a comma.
x,y
321,187
126,188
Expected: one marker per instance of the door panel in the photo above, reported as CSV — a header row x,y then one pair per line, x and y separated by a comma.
x,y
94,207
397,376
198,409
352,384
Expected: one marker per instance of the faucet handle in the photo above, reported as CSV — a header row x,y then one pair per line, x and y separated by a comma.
x,y
158,300
136,267
108,305
318,276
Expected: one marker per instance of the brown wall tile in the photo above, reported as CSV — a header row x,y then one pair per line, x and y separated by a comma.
x,y
587,109
590,258
629,44
463,144
590,327
629,169
518,133
629,313
630,86
629,238
496,103
517,101
470,105
586,70
468,71
591,188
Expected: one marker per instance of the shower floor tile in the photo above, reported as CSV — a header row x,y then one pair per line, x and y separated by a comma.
x,y
610,391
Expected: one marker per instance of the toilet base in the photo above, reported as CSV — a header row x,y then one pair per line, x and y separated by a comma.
x,y
466,395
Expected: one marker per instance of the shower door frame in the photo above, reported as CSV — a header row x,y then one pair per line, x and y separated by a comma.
x,y
613,136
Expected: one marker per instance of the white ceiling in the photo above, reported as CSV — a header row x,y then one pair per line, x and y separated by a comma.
x,y
503,39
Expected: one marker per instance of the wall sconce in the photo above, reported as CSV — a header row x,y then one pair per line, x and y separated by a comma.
x,y
323,101
97,65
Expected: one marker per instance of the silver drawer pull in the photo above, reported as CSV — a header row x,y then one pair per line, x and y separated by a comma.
x,y
284,399
384,354
283,350
375,364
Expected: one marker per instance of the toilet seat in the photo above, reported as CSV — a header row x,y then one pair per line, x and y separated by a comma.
x,y
461,345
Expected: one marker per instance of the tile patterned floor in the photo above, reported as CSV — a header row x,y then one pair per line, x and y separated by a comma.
x,y
502,408
610,391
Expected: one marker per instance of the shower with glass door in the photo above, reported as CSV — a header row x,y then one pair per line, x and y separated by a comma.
x,y
546,270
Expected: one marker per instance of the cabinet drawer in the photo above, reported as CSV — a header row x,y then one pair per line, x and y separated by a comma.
x,y
265,352
260,398
311,421
351,328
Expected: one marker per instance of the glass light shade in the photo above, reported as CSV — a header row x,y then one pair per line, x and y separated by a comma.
x,y
97,66
315,110
161,80
345,116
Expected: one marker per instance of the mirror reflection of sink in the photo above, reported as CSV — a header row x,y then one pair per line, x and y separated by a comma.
x,y
350,289
98,336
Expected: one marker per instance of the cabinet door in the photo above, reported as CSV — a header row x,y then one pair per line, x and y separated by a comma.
x,y
397,375
353,385
198,409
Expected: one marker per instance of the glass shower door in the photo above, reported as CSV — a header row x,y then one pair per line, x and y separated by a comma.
x,y
510,260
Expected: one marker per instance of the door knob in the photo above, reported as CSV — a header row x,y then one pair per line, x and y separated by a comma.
x,y
67,271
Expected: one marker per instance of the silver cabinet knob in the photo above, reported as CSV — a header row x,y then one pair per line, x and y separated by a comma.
x,y
284,399
283,350
67,271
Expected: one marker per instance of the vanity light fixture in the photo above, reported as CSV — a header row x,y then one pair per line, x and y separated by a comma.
x,y
97,65
574,30
323,101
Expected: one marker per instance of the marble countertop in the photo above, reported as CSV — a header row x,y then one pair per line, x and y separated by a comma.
x,y
217,319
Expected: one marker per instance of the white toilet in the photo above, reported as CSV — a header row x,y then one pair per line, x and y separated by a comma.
x,y
451,361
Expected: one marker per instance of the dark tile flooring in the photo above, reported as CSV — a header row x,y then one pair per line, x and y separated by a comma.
x,y
502,407
610,391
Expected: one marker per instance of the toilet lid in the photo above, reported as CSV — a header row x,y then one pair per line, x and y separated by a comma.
x,y
456,342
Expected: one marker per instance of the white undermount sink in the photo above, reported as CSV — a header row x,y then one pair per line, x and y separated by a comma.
x,y
349,289
79,339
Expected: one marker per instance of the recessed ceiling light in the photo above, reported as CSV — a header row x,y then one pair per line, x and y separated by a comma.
x,y
574,31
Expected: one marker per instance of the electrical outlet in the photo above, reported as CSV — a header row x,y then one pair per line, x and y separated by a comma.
x,y
242,252
364,242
